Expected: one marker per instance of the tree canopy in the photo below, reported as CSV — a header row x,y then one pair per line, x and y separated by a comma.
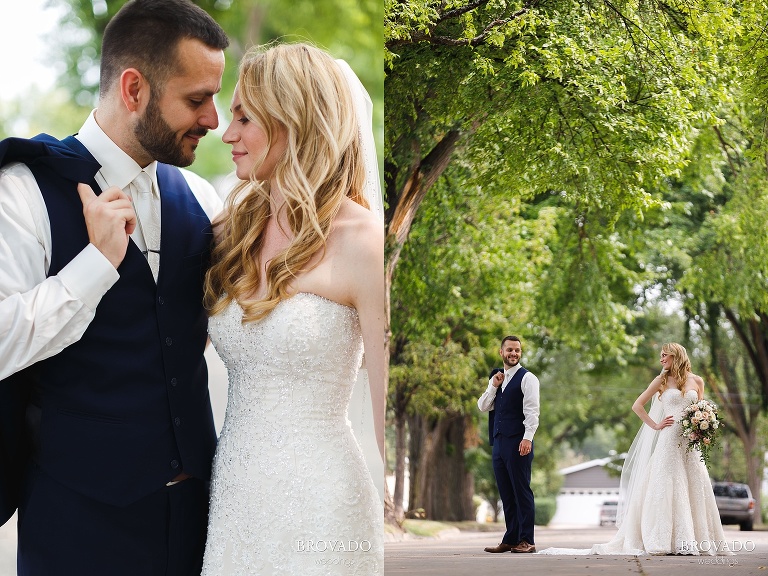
x,y
622,144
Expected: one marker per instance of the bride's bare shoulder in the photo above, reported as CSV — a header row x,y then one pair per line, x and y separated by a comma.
x,y
358,228
353,212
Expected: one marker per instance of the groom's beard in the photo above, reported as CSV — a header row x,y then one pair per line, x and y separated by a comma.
x,y
514,363
156,137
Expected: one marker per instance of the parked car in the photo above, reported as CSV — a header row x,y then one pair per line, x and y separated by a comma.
x,y
608,512
735,504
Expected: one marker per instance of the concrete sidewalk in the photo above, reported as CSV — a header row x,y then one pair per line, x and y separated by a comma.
x,y
462,555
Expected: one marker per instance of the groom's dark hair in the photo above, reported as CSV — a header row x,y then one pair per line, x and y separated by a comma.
x,y
145,34
513,338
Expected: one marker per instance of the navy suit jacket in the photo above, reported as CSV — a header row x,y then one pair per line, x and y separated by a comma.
x,y
126,408
492,413
41,151
505,424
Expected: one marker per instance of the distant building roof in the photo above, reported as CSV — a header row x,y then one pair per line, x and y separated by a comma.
x,y
593,474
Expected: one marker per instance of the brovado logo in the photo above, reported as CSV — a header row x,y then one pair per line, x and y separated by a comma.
x,y
708,546
333,546
719,560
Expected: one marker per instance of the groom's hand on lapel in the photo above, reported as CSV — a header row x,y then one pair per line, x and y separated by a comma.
x,y
110,220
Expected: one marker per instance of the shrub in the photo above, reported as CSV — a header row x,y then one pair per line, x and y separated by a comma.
x,y
545,510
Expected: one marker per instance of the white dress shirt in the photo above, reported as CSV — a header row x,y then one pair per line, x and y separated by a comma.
x,y
530,388
41,316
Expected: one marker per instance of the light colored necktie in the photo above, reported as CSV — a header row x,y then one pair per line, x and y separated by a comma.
x,y
148,213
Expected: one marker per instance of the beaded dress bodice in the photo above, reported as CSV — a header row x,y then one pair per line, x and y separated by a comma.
x,y
303,357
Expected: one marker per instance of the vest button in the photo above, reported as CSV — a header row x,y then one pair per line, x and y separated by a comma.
x,y
160,300
174,382
177,421
174,464
168,341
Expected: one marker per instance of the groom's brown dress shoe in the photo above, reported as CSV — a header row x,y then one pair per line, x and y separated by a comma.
x,y
500,548
524,548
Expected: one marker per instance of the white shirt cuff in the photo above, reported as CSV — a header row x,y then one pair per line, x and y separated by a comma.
x,y
88,276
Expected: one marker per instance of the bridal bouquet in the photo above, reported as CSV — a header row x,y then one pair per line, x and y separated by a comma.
x,y
701,425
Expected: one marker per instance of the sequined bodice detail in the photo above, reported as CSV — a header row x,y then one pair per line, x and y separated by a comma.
x,y
298,364
674,402
288,471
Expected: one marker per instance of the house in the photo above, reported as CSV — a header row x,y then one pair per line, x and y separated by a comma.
x,y
585,487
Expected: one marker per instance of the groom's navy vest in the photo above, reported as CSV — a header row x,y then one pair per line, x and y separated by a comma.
x,y
125,409
506,418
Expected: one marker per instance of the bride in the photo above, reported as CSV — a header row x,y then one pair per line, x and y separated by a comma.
x,y
666,502
295,290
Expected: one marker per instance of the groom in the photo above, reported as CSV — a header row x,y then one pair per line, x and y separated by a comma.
x,y
106,429
512,400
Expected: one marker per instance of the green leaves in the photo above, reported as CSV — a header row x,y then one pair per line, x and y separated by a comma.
x,y
596,105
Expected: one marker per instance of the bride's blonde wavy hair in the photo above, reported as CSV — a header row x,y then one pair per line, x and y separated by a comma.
x,y
302,89
681,366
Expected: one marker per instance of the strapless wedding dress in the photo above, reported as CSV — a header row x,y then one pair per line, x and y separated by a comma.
x,y
673,510
291,493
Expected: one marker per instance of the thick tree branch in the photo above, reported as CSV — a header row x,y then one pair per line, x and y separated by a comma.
x,y
742,335
463,10
423,174
725,147
727,399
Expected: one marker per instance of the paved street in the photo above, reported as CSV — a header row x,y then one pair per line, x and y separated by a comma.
x,y
462,555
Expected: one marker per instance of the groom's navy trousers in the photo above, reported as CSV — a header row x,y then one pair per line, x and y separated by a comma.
x,y
162,534
115,416
513,479
512,471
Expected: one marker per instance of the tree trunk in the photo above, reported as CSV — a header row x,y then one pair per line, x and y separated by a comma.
x,y
400,214
744,420
453,486
400,447
389,510
753,335
755,461
440,482
423,174
423,442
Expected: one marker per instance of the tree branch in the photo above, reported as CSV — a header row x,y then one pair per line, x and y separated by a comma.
x,y
724,146
423,174
429,36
